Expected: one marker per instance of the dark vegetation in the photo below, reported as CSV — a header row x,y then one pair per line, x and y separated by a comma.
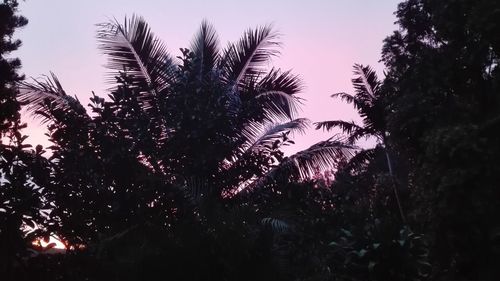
x,y
178,173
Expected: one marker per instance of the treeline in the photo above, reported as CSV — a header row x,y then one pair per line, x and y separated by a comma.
x,y
178,173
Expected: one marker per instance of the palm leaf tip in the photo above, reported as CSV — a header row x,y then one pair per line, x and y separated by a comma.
x,y
250,54
132,47
321,156
345,126
360,159
366,82
261,136
37,94
344,96
276,225
278,93
205,47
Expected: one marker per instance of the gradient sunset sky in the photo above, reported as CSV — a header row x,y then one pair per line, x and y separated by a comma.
x,y
321,39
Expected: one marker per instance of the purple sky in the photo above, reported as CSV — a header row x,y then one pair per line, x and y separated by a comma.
x,y
322,39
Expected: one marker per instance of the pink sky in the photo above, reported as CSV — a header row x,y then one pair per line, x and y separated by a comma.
x,y
322,39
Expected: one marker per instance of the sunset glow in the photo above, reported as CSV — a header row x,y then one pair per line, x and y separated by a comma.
x,y
54,242
322,40
281,140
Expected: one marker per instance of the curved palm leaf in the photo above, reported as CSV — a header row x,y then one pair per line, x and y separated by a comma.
x,y
363,132
361,158
276,225
344,96
205,47
322,155
359,104
277,94
38,94
366,83
345,126
278,105
353,130
248,55
133,48
304,164
262,137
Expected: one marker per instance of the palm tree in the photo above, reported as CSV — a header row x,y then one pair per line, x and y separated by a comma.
x,y
368,101
202,126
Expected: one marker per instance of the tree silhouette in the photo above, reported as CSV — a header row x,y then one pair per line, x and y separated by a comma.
x,y
443,107
370,104
170,151
20,168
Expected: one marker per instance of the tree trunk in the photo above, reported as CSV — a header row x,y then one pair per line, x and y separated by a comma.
x,y
394,186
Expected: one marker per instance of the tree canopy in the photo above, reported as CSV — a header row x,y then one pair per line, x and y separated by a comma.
x,y
178,172
442,111
20,198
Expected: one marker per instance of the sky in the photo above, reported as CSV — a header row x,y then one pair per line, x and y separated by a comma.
x,y
322,39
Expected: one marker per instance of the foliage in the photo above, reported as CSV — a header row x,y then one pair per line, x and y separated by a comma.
x,y
443,104
369,102
165,168
9,21
178,173
376,255
21,198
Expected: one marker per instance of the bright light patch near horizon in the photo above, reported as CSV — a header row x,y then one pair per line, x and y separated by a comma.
x,y
52,240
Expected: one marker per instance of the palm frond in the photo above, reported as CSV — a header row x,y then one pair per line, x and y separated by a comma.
x,y
205,46
344,96
262,137
194,190
304,164
279,105
360,104
366,101
233,104
276,225
362,132
345,126
38,94
366,83
249,54
133,48
361,158
277,94
321,156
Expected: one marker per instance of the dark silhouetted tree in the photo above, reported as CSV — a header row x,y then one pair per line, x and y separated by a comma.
x,y
443,114
20,169
164,170
9,113
369,102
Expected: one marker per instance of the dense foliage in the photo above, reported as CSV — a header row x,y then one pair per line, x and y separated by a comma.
x,y
180,158
20,199
178,173
442,90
